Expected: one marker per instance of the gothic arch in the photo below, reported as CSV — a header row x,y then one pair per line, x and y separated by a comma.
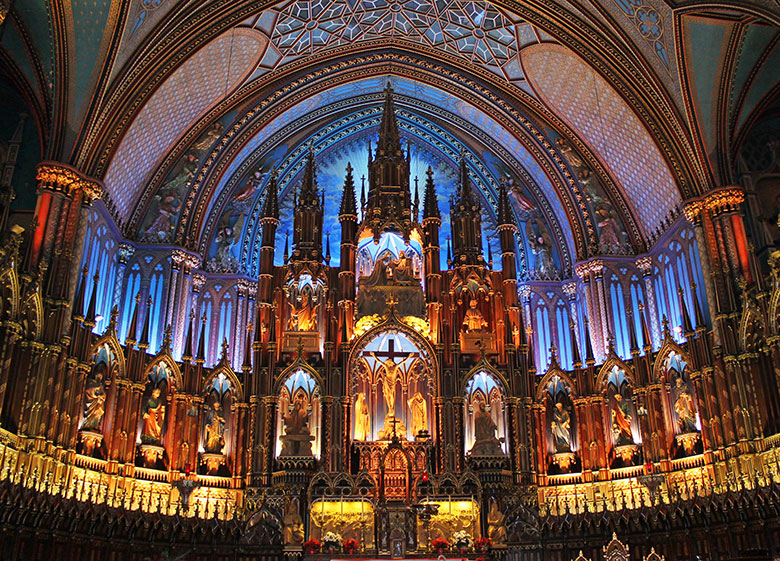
x,y
542,385
236,387
167,360
298,364
491,370
606,368
109,339
667,348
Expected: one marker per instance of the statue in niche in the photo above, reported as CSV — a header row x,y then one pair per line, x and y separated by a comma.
x,y
485,441
304,316
561,428
94,402
292,534
474,321
362,419
214,430
154,417
621,421
496,524
684,407
297,439
541,245
419,411
400,270
390,377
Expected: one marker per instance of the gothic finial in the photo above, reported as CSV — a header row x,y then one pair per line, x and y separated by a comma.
x,y
348,203
114,316
430,200
224,352
166,341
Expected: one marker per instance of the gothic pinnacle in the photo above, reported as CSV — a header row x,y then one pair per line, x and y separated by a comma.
x,y
430,201
348,203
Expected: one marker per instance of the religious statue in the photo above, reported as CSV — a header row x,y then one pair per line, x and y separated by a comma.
x,y
485,441
94,402
154,417
362,420
684,407
292,534
473,320
214,430
561,428
390,377
419,412
297,439
400,270
303,317
621,421
496,524
609,231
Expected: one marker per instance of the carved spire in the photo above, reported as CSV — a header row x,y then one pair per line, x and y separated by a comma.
x,y
389,138
78,303
430,200
633,345
589,359
92,307
466,218
686,319
144,342
132,331
648,341
271,204
201,357
307,228
348,202
700,323
505,217
187,354
389,204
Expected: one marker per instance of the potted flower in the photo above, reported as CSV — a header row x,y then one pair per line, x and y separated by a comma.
x,y
439,545
462,541
331,541
482,544
350,546
312,546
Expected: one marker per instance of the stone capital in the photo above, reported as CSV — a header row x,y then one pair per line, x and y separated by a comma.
x,y
64,179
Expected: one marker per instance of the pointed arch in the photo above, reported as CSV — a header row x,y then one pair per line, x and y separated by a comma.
x,y
168,361
752,330
31,314
9,293
541,387
235,385
484,365
669,346
298,364
606,368
109,339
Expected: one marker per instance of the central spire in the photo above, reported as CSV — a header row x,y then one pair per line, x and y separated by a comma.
x,y
389,199
389,137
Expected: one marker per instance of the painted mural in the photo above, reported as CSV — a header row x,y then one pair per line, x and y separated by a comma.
x,y
162,215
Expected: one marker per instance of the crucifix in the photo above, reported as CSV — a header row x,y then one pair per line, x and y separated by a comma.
x,y
391,371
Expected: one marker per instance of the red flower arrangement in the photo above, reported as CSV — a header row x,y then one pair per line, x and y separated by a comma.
x,y
350,546
480,559
482,544
440,544
312,546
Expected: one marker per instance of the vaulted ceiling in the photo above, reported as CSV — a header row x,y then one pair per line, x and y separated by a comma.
x,y
596,110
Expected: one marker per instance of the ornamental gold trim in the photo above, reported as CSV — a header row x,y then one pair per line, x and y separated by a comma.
x,y
66,180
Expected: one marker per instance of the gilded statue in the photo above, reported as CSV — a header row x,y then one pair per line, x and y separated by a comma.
x,y
214,430
292,534
684,407
560,427
474,320
94,402
419,411
390,377
621,421
362,419
400,270
304,316
496,524
154,417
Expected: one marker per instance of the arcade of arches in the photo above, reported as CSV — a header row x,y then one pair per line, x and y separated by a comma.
x,y
314,278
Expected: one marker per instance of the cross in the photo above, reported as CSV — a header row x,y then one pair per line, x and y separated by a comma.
x,y
394,422
392,353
